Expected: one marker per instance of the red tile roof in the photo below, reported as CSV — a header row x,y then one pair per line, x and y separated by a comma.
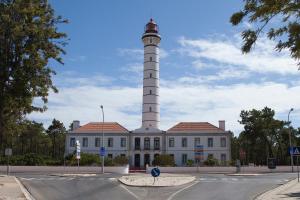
x,y
97,127
195,126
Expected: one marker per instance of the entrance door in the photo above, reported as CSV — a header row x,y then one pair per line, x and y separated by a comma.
x,y
137,160
146,159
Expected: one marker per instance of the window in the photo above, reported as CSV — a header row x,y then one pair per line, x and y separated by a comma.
x,y
110,156
171,142
72,142
150,91
156,143
210,142
223,142
150,75
85,142
110,142
123,155
184,142
97,142
150,40
197,141
147,143
123,142
150,109
184,159
137,143
150,58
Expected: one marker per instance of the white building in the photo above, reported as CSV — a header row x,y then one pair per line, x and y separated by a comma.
x,y
143,144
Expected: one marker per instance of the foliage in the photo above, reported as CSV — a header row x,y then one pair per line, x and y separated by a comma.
x,y
120,160
163,160
88,159
189,163
29,38
264,137
29,159
85,159
261,13
211,161
57,133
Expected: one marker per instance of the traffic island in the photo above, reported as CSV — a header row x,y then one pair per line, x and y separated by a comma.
x,y
165,180
241,174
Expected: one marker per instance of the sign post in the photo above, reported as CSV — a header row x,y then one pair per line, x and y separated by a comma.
x,y
155,172
295,151
8,153
199,155
78,153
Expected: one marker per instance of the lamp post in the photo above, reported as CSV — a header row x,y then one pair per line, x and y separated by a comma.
x,y
290,139
102,142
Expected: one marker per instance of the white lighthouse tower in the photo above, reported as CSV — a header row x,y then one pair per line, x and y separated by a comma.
x,y
151,110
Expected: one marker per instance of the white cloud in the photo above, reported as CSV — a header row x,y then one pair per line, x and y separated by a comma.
x,y
262,59
179,102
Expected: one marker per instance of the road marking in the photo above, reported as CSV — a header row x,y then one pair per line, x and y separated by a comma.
x,y
182,189
122,186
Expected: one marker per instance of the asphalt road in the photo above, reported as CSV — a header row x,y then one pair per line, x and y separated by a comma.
x,y
101,187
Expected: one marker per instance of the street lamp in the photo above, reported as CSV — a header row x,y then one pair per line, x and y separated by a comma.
x,y
290,139
102,143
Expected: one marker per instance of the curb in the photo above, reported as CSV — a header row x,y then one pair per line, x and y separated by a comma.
x,y
24,190
153,186
271,194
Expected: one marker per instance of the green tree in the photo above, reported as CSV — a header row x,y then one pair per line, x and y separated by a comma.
x,y
29,38
260,13
263,136
57,133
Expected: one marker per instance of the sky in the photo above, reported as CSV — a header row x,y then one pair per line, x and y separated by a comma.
x,y
203,74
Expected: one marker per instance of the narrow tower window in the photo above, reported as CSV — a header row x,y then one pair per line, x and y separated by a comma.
x,y
150,75
150,40
150,58
150,92
150,109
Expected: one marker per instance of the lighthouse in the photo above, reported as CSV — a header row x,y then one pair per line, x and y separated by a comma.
x,y
151,110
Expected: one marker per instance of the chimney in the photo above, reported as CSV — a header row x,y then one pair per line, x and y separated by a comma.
x,y
222,124
75,124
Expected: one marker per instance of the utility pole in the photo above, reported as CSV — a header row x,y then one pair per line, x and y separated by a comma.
x,y
290,139
102,143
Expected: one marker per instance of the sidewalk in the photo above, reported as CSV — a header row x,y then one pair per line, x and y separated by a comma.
x,y
288,191
10,188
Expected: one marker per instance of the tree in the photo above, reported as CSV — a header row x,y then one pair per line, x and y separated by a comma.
x,y
261,13
263,136
28,40
57,133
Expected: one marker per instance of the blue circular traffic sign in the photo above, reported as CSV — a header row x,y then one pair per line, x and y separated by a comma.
x,y
155,172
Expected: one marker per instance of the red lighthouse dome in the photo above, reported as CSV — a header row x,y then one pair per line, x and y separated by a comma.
x,y
151,27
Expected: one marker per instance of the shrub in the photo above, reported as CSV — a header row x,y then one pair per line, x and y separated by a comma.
x,y
120,160
85,159
190,163
163,160
211,161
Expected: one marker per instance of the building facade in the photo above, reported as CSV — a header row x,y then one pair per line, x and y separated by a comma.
x,y
143,144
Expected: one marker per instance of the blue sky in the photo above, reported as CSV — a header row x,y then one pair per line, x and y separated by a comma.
x,y
204,76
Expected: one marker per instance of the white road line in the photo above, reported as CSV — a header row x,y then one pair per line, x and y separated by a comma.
x,y
122,186
174,194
